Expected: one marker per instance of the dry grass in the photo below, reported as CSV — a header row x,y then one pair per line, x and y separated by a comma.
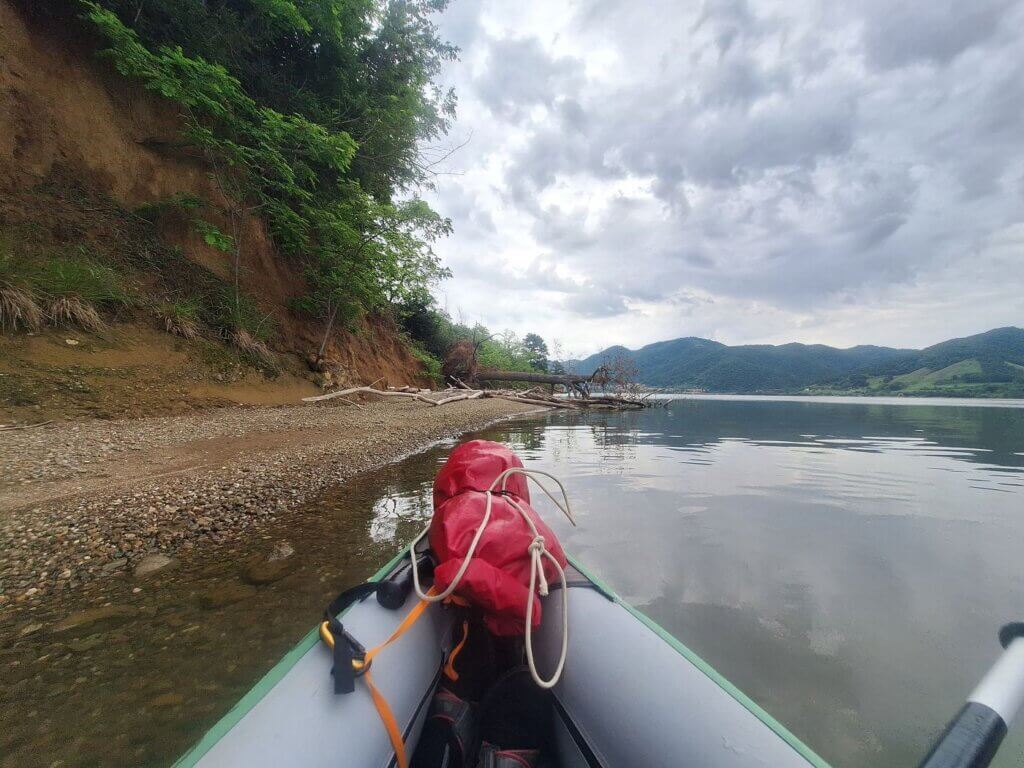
x,y
18,309
71,310
181,318
252,346
185,327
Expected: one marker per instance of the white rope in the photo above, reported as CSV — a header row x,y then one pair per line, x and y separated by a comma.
x,y
536,550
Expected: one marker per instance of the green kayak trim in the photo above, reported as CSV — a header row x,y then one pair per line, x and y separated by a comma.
x,y
268,681
780,730
290,659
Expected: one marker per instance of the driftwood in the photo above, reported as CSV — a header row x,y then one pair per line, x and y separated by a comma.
x,y
12,427
551,403
368,390
529,397
470,395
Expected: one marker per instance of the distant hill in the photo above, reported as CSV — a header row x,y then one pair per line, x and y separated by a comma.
x,y
988,364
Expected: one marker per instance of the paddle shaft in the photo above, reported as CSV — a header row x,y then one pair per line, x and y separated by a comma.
x,y
973,737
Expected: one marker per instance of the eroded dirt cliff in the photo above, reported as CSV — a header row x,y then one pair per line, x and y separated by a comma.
x,y
88,163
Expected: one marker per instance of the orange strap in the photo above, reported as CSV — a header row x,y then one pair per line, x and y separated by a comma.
x,y
383,708
388,718
449,667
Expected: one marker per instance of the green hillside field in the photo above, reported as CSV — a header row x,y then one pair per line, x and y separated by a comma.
x,y
989,364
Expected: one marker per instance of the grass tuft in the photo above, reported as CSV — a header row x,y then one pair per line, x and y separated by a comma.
x,y
81,277
181,318
69,287
71,310
250,345
18,309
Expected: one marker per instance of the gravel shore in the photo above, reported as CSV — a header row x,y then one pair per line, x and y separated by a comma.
x,y
81,500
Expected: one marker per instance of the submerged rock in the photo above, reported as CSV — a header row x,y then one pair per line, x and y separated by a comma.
x,y
31,629
279,563
87,643
151,565
167,700
226,594
115,565
93,618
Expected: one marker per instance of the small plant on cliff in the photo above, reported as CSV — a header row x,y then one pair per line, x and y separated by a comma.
x,y
72,310
255,349
430,363
19,305
157,209
18,309
181,318
213,236
245,327
62,290
82,276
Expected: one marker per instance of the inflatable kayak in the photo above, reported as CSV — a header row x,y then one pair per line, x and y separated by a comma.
x,y
395,677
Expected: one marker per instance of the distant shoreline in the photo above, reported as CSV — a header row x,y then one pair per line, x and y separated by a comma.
x,y
943,400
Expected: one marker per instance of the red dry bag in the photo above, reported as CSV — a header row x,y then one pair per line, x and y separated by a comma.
x,y
497,578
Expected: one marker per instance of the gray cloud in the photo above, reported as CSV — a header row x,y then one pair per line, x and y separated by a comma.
x,y
898,34
521,75
596,303
776,165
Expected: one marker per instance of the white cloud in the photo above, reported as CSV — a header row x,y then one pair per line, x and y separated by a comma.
x,y
812,171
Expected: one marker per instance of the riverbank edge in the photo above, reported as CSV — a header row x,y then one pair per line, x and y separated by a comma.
x,y
57,548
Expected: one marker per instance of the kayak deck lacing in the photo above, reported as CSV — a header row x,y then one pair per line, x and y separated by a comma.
x,y
537,552
361,667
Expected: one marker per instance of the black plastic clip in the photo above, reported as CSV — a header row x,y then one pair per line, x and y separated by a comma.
x,y
346,651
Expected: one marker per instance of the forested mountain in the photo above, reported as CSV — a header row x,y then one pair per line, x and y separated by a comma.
x,y
990,363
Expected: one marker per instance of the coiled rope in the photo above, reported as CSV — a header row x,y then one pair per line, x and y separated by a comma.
x,y
537,552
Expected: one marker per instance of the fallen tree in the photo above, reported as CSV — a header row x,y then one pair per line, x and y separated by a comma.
x,y
452,395
574,383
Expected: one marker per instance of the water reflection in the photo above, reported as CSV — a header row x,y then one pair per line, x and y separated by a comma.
x,y
846,564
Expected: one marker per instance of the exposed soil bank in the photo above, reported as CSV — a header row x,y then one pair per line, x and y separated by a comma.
x,y
84,501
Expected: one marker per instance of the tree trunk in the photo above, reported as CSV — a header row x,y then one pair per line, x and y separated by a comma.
x,y
567,380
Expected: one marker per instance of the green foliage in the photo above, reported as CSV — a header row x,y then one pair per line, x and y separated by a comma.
x,y
432,328
283,13
504,352
154,211
181,318
213,236
430,362
312,114
188,309
232,312
434,331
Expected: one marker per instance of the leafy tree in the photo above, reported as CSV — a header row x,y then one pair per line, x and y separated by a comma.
x,y
537,350
313,114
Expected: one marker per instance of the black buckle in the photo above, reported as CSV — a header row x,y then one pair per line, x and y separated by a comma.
x,y
346,651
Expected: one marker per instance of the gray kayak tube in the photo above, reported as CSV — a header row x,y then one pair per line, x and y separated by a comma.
x,y
293,717
637,696
630,695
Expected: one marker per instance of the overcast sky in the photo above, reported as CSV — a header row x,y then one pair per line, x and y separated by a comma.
x,y
640,170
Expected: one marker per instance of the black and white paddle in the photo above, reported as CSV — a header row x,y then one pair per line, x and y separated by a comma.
x,y
972,738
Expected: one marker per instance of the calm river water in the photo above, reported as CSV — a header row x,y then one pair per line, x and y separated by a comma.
x,y
847,563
